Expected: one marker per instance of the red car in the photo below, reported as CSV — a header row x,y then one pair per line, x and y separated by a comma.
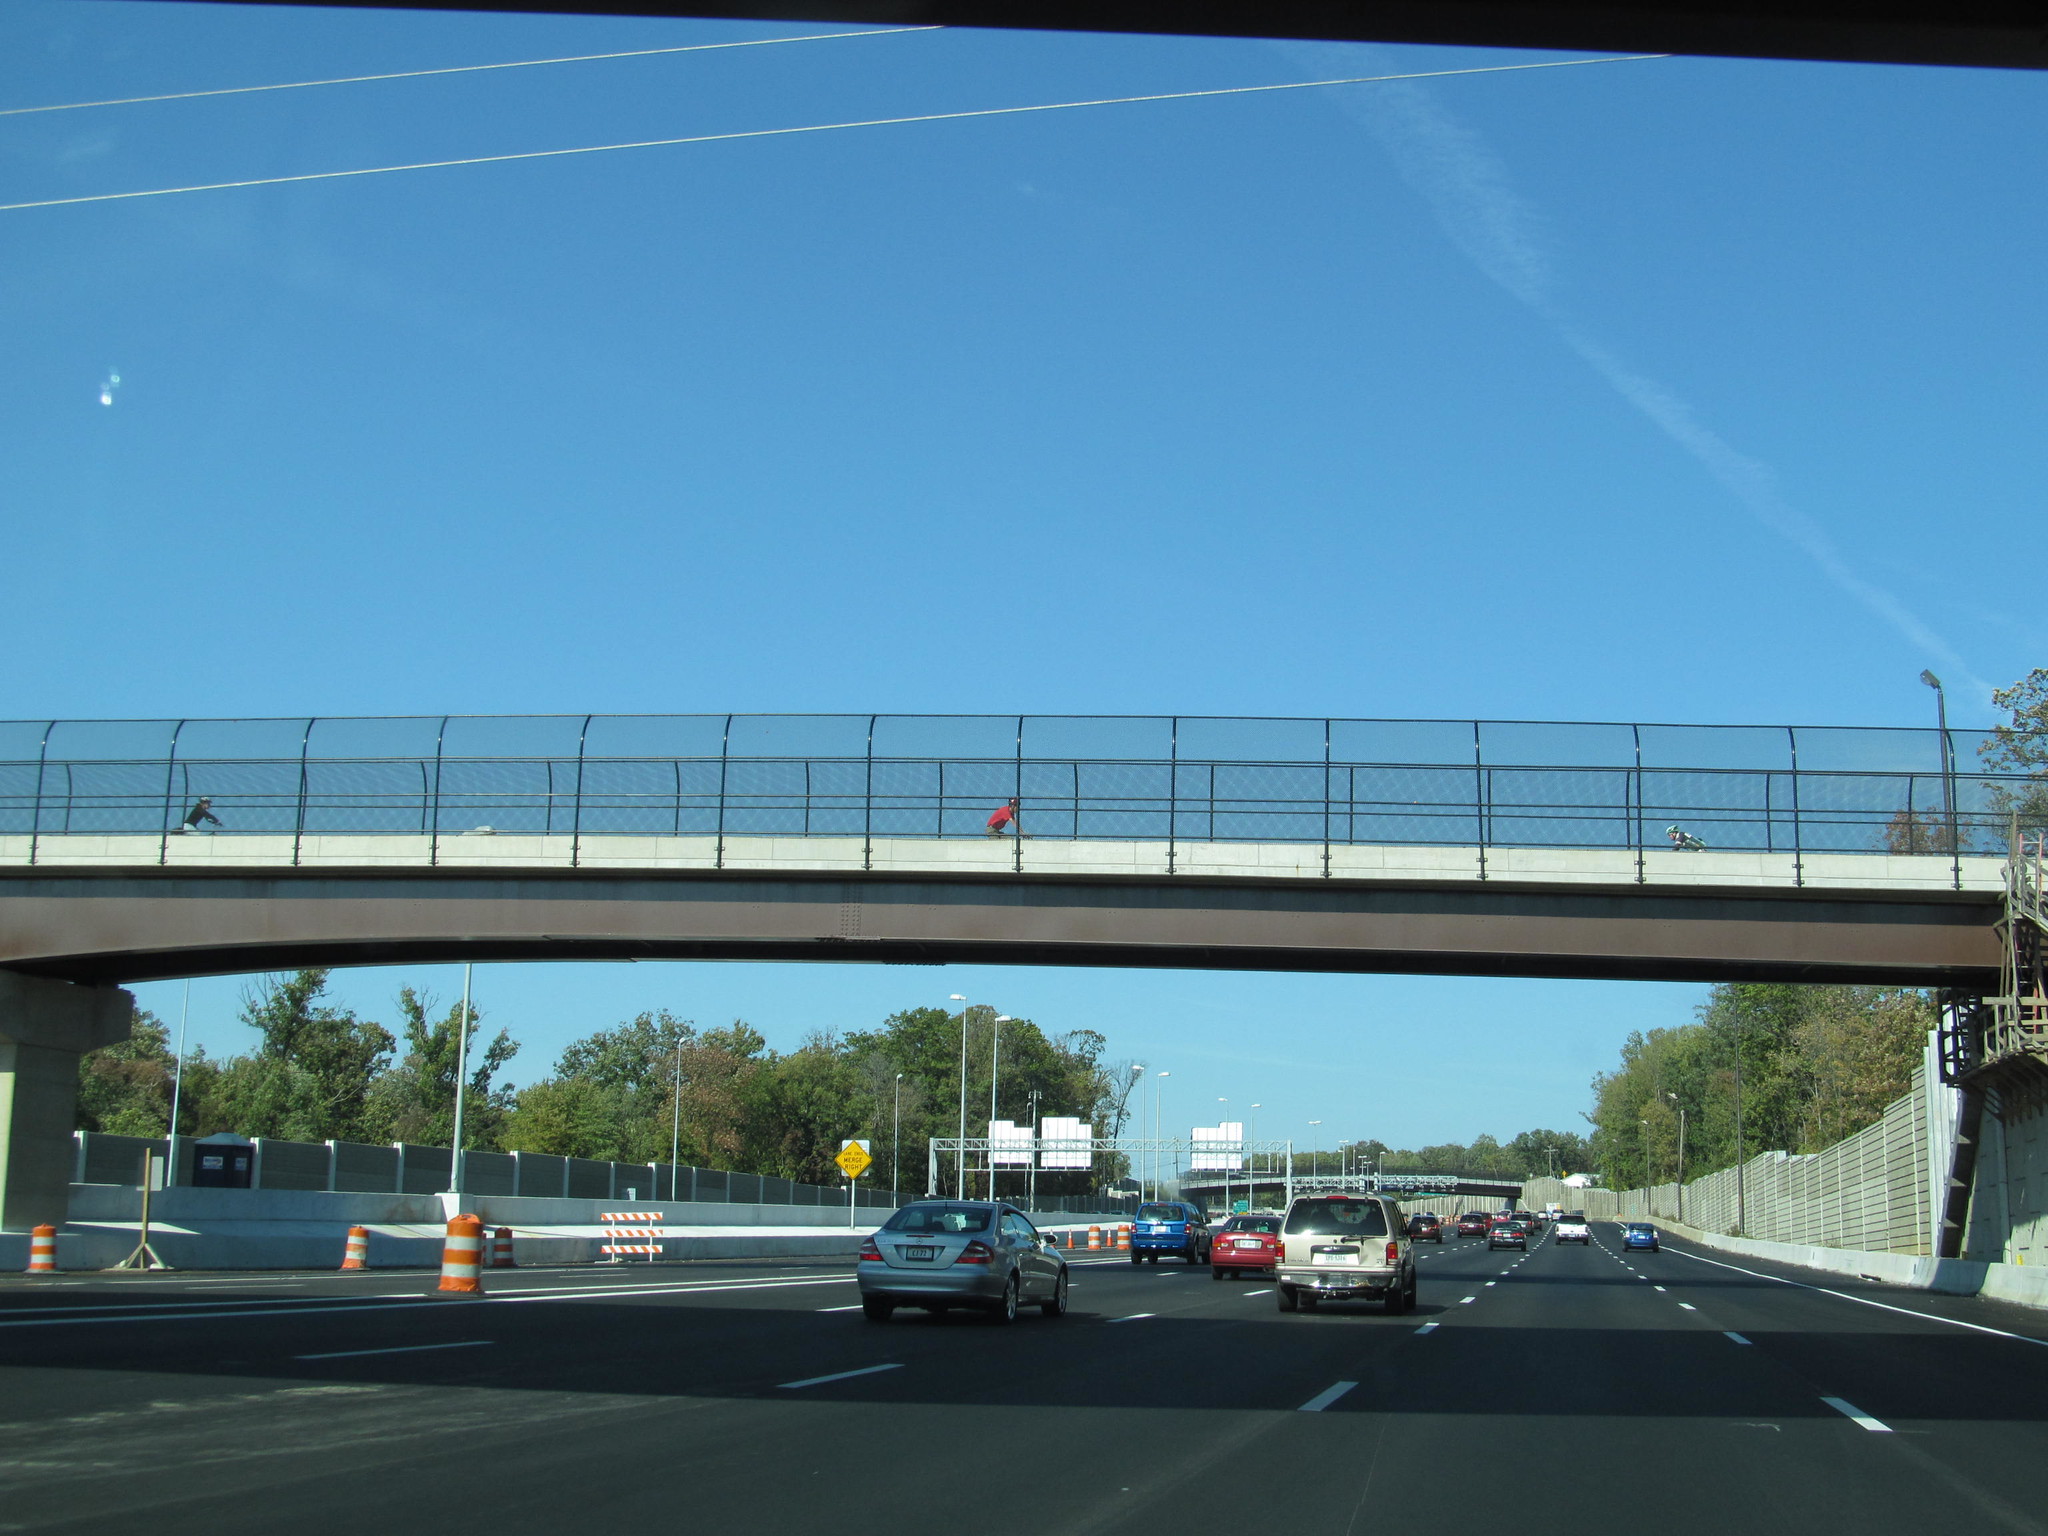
x,y
1473,1224
1426,1227
1245,1245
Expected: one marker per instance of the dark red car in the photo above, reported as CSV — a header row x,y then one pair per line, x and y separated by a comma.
x,y
1426,1227
1245,1245
1474,1224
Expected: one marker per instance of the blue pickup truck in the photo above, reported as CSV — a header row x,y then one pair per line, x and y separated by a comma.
x,y
1170,1229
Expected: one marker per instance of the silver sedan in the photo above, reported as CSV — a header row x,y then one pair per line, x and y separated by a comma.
x,y
978,1254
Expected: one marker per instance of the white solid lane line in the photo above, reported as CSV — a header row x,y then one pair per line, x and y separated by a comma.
x,y
402,1349
1327,1396
1738,1338
1851,1411
1882,1306
819,1381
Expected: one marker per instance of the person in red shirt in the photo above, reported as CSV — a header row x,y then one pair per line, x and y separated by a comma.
x,y
1004,820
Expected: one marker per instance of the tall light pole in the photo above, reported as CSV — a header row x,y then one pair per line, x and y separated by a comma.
x,y
960,1182
675,1129
1157,1159
1948,770
1681,1155
1226,1161
1138,1082
1315,1161
995,1048
461,1083
1251,1184
896,1138
178,1087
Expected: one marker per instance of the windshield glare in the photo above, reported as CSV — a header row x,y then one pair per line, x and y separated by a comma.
x,y
939,1219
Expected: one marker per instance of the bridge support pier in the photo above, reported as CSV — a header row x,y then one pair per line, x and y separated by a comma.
x,y
45,1026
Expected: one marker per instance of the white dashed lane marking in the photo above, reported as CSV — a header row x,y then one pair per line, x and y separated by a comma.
x,y
1327,1396
1851,1411
1738,1338
819,1381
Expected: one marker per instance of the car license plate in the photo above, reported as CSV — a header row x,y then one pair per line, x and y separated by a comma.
x,y
919,1253
1248,1242
1339,1257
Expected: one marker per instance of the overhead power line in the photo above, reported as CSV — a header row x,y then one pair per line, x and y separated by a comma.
x,y
460,69
771,133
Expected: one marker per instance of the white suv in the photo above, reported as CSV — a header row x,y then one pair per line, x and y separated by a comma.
x,y
1345,1248
1573,1229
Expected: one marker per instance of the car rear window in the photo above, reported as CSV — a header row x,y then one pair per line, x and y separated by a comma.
x,y
939,1218
1161,1213
1253,1224
1337,1218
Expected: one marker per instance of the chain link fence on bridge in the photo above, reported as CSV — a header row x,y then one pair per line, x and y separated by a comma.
x,y
1188,779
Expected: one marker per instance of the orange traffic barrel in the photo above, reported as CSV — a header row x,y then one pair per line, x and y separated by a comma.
x,y
462,1257
357,1254
1123,1234
1095,1237
501,1249
42,1251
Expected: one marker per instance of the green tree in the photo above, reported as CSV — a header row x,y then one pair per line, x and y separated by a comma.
x,y
125,1088
415,1100
310,1078
2020,747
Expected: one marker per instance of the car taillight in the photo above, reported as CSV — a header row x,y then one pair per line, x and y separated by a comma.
x,y
976,1253
869,1253
1393,1253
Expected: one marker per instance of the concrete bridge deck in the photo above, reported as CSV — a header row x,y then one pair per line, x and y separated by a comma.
x,y
110,908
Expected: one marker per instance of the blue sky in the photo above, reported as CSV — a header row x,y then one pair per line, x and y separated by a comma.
x,y
1686,389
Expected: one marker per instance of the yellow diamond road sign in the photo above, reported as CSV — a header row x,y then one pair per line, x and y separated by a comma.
x,y
853,1160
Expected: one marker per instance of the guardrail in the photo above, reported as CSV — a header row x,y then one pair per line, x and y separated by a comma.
x,y
1167,779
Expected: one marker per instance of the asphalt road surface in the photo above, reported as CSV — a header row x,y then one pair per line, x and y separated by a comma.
x,y
1565,1390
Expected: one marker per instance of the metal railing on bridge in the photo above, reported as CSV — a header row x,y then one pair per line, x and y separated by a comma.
x,y
1186,779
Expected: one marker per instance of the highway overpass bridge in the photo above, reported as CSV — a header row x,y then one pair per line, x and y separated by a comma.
x,y
1455,847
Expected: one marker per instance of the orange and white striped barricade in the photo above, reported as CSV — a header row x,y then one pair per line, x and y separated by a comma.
x,y
629,1232
1094,1237
1123,1234
501,1249
42,1251
462,1257
357,1254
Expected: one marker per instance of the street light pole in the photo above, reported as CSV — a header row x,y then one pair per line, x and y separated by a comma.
x,y
675,1130
896,1138
1315,1161
461,1074
1948,772
1681,1156
960,1183
1138,1082
1158,1160
995,1047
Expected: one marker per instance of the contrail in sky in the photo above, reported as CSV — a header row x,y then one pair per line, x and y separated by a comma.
x,y
1469,190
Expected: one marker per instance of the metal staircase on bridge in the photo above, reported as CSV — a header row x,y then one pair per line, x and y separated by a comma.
x,y
1996,1047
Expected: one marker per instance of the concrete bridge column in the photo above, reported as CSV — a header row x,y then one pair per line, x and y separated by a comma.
x,y
45,1026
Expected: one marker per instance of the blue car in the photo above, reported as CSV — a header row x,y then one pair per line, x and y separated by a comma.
x,y
1638,1234
1170,1229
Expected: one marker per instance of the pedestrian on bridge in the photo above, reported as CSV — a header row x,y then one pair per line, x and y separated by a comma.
x,y
1005,820
1683,841
202,810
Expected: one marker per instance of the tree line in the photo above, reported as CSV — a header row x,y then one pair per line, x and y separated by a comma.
x,y
719,1096
1807,1065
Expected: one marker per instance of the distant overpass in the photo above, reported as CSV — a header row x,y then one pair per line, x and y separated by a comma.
x,y
1453,847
